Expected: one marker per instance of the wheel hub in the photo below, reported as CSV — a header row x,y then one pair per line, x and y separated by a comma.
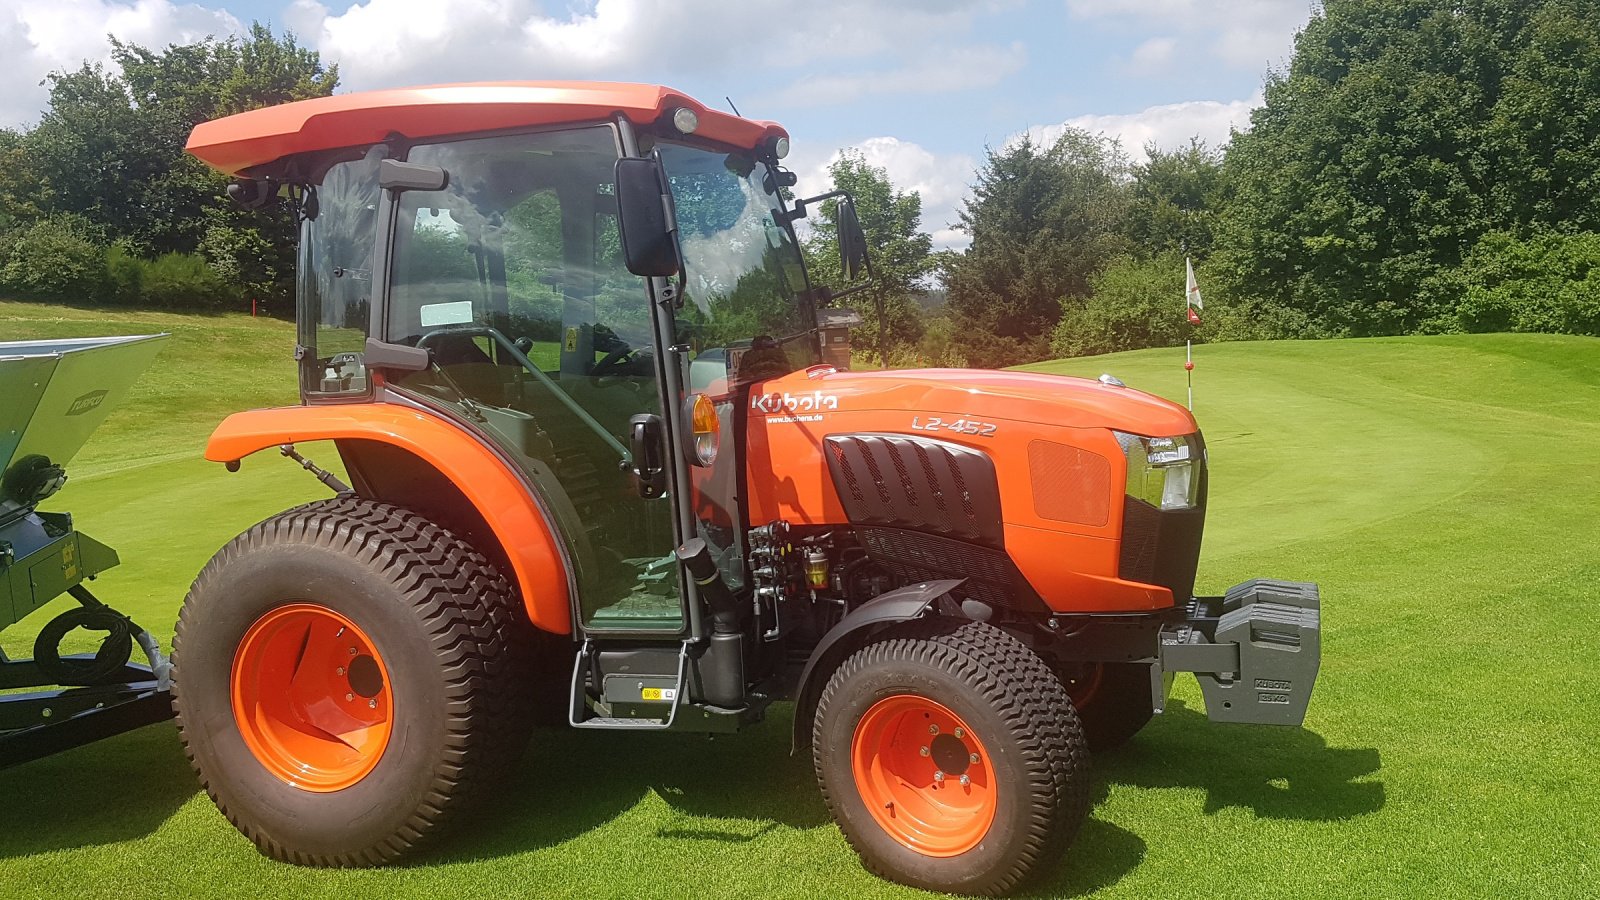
x,y
950,755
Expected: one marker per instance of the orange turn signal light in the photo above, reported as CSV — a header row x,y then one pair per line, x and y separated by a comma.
x,y
706,428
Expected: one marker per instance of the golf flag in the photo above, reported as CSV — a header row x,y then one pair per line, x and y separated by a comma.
x,y
1191,302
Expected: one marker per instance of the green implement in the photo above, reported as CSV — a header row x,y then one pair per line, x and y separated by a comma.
x,y
53,395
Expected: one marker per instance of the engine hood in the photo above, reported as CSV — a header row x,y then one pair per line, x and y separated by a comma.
x,y
979,393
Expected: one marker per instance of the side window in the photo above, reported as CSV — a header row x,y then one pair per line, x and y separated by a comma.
x,y
334,286
457,263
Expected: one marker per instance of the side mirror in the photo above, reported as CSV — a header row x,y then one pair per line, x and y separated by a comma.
x,y
852,242
394,175
646,220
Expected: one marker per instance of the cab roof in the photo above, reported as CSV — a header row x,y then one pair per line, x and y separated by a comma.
x,y
238,143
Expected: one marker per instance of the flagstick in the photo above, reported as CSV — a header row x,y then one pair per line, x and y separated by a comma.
x,y
1188,368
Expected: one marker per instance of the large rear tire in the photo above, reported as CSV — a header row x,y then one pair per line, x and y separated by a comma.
x,y
951,758
1113,701
343,678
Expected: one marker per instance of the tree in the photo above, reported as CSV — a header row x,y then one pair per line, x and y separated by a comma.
x,y
1174,199
1043,221
109,148
902,255
1401,133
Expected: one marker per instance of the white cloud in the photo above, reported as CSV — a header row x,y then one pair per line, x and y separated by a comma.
x,y
942,179
1153,55
1169,125
38,37
1247,34
963,68
388,42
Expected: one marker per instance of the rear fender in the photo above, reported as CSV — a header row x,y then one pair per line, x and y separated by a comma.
x,y
494,489
899,605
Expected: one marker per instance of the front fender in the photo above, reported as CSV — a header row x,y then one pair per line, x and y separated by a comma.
x,y
899,605
499,495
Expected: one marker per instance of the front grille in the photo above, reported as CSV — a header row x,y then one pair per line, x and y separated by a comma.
x,y
900,481
1162,547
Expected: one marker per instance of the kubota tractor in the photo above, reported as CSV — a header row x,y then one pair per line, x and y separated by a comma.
x,y
566,345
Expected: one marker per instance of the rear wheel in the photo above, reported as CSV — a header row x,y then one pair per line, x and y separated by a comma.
x,y
951,757
1113,701
343,681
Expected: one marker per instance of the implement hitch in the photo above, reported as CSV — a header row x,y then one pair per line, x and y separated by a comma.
x,y
1255,651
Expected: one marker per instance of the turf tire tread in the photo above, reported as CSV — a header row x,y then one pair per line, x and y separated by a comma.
x,y
1029,698
474,625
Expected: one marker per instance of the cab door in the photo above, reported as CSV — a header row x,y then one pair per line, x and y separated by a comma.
x,y
540,338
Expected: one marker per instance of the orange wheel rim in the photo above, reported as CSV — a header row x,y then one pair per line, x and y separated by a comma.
x,y
924,775
312,697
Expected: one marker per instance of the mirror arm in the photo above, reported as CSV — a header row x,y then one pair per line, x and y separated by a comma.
x,y
835,295
799,211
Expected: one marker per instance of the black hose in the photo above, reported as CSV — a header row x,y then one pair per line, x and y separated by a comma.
x,y
108,662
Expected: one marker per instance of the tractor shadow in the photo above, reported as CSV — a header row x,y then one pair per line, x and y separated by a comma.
x,y
1277,773
119,789
571,781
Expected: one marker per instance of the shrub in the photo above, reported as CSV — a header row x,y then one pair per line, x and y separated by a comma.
x,y
1136,303
124,275
1546,282
59,257
184,281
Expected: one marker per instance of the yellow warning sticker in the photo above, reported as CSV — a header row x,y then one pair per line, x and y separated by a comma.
x,y
659,694
572,339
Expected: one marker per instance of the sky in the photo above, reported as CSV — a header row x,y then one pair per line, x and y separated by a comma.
x,y
920,87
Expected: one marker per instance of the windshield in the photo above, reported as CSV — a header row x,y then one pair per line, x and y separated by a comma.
x,y
744,308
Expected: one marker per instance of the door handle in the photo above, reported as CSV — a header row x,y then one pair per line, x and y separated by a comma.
x,y
649,470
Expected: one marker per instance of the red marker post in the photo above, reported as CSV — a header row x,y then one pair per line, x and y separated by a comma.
x,y
1188,369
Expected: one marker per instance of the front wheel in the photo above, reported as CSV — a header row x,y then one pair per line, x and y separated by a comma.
x,y
343,678
951,757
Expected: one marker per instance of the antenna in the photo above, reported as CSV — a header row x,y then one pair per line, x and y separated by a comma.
x,y
731,106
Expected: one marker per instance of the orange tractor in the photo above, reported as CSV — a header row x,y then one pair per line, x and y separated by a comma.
x,y
564,340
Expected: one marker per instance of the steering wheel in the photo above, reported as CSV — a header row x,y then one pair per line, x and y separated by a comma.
x,y
613,362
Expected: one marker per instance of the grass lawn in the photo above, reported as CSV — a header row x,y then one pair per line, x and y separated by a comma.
x,y
1443,491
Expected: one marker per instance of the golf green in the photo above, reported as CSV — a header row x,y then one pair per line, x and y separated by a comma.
x,y
1443,491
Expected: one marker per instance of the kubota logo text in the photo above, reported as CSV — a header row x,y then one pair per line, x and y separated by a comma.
x,y
816,401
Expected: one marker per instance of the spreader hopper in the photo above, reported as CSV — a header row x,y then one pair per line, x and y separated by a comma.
x,y
53,395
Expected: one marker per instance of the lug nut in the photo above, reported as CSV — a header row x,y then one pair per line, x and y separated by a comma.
x,y
966,780
973,759
938,776
933,729
924,751
960,733
339,670
349,696
373,704
352,651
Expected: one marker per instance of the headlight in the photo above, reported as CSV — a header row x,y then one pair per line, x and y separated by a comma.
x,y
1162,471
